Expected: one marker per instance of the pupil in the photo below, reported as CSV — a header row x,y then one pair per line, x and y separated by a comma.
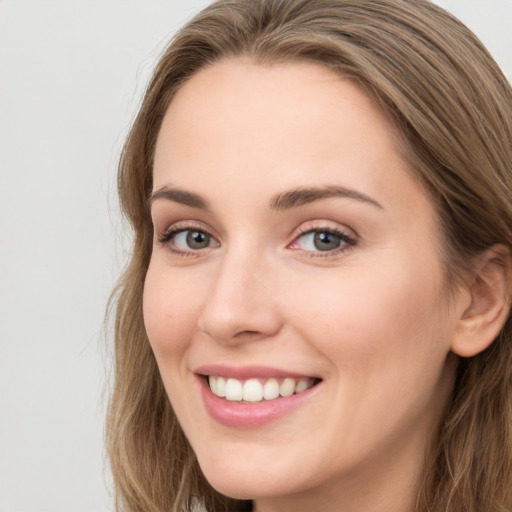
x,y
197,240
326,241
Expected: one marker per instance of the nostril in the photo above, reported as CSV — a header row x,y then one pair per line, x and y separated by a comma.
x,y
247,333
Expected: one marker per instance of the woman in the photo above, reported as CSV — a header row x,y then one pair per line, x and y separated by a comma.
x,y
315,314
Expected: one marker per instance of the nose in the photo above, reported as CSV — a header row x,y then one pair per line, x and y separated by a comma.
x,y
241,305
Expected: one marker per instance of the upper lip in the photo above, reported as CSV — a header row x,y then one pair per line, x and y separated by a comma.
x,y
247,372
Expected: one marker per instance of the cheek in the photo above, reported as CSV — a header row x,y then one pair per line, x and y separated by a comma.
x,y
386,336
388,322
170,310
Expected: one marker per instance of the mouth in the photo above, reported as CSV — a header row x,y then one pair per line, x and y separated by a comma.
x,y
253,396
258,389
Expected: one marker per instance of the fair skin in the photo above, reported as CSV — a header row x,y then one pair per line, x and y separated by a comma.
x,y
343,288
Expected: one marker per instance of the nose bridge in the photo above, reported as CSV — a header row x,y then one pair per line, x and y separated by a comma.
x,y
240,304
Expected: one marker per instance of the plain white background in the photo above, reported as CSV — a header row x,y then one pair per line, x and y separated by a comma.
x,y
72,74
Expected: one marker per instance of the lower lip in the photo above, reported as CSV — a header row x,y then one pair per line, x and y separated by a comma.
x,y
250,414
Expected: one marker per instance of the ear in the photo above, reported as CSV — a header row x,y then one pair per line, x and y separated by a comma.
x,y
489,304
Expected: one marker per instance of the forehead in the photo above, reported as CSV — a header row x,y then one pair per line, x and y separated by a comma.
x,y
239,101
236,93
263,128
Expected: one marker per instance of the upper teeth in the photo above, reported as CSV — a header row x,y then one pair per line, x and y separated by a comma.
x,y
255,390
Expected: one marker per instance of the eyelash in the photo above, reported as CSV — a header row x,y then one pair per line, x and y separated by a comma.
x,y
167,237
348,241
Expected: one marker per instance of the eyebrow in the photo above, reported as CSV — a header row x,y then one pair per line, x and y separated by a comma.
x,y
181,197
283,201
302,196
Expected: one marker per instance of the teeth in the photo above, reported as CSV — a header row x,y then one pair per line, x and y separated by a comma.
x,y
234,390
271,389
287,387
302,385
221,386
255,390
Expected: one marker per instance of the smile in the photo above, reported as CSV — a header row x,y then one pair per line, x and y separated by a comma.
x,y
257,390
253,396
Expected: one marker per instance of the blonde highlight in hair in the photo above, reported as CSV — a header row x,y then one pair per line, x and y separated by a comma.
x,y
453,108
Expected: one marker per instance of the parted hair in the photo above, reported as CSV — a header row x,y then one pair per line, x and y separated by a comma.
x,y
452,107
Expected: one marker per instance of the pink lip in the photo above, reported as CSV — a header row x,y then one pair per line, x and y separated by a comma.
x,y
248,415
247,372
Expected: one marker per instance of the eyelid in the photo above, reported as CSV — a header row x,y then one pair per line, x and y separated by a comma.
x,y
324,224
166,236
184,225
348,236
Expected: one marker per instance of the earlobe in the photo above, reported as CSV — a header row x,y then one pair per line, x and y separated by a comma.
x,y
489,305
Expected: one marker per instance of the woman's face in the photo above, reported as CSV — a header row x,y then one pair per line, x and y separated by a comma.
x,y
295,253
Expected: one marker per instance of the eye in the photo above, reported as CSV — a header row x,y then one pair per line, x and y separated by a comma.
x,y
184,241
323,240
194,240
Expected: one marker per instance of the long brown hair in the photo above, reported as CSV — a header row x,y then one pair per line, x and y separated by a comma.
x,y
453,108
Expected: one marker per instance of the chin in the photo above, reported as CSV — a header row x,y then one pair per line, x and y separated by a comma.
x,y
246,481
